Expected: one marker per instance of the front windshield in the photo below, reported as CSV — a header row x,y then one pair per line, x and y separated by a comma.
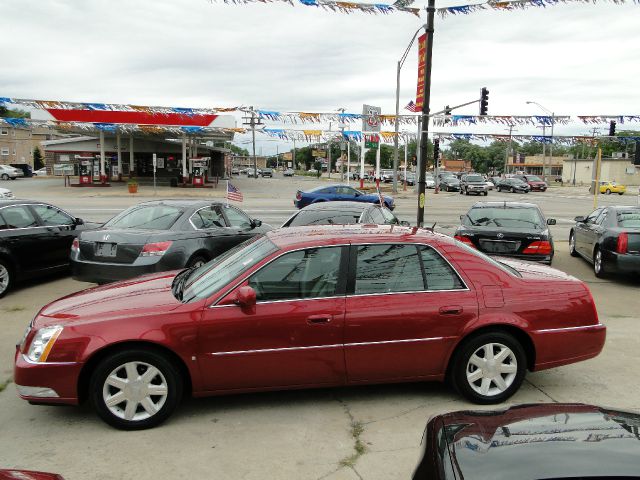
x,y
504,217
474,178
629,218
151,217
211,277
487,258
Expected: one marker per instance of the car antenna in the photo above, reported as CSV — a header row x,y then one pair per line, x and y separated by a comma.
x,y
432,227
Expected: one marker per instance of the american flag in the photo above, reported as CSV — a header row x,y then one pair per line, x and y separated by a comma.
x,y
233,193
412,107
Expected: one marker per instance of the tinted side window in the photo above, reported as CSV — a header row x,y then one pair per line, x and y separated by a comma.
x,y
209,217
593,215
311,273
237,218
388,268
601,218
52,216
438,273
376,216
18,217
388,216
326,217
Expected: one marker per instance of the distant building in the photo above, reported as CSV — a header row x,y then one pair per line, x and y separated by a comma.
x,y
246,161
533,165
620,169
456,165
17,143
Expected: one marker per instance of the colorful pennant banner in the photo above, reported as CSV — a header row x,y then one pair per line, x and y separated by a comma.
x,y
516,5
341,7
595,119
456,120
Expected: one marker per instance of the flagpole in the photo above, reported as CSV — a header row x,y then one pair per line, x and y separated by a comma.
x,y
227,194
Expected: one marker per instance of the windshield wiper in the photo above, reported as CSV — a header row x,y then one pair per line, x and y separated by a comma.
x,y
471,220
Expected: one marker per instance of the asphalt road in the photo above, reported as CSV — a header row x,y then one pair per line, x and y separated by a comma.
x,y
303,434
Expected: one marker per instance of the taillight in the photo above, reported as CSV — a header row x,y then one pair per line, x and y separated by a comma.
x,y
299,195
155,249
465,240
75,245
538,248
623,243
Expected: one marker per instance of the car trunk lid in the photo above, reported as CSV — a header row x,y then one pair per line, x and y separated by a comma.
x,y
116,246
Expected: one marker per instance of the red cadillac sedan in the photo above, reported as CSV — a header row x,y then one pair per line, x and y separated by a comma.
x,y
308,307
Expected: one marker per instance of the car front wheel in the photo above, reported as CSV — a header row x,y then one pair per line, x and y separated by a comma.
x,y
5,277
489,368
572,245
5,176
135,389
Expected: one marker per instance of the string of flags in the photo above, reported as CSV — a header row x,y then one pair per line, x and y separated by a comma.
x,y
511,5
341,6
456,120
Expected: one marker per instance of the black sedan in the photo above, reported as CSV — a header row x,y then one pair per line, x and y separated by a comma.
x,y
450,184
608,237
526,442
512,229
35,239
513,185
160,235
342,213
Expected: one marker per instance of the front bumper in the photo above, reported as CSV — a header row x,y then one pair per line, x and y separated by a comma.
x,y
99,272
48,382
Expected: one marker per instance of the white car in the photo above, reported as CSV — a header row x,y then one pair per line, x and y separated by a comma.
x,y
7,172
6,193
40,172
429,182
489,184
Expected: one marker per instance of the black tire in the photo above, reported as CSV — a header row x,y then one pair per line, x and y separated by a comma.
x,y
196,261
513,190
598,263
461,364
620,193
5,176
572,245
499,189
115,365
607,192
485,193
466,191
6,277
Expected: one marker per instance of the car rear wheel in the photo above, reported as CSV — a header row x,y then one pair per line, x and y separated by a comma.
x,y
485,193
5,277
598,263
196,261
499,189
489,368
135,389
572,245
620,193
607,191
513,190
5,176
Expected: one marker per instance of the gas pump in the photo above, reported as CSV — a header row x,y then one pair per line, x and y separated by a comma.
x,y
85,172
198,171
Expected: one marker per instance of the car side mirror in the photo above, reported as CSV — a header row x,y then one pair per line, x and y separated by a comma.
x,y
551,221
404,223
579,219
256,223
246,297
78,221
461,218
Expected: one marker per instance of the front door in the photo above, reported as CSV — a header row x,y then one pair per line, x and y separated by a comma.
x,y
582,232
406,309
293,336
61,228
30,243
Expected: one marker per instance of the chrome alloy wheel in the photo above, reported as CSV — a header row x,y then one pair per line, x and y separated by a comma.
x,y
135,391
4,278
597,262
491,369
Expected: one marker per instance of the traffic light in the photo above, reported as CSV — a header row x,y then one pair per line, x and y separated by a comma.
x,y
447,110
436,152
612,128
484,101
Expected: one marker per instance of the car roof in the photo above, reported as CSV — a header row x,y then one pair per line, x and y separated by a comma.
x,y
16,201
180,202
331,185
340,206
504,205
323,235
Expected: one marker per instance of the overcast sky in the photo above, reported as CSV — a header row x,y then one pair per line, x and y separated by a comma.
x,y
575,59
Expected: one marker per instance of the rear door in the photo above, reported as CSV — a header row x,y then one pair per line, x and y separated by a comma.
x,y
405,307
61,227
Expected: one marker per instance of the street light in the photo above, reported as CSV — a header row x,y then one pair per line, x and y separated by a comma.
x,y
544,145
395,141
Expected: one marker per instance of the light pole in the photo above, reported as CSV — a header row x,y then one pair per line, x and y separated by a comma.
x,y
544,160
395,141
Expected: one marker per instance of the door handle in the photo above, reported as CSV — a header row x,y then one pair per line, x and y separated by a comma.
x,y
319,319
455,310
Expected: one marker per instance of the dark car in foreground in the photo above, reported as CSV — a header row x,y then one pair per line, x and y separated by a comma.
x,y
512,229
513,185
609,238
473,183
308,307
342,213
531,442
160,235
35,238
534,182
329,193
450,184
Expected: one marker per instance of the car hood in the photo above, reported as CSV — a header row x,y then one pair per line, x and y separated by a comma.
x,y
573,440
143,295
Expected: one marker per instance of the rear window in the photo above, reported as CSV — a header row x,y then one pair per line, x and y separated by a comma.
x,y
148,217
533,178
324,217
504,217
629,218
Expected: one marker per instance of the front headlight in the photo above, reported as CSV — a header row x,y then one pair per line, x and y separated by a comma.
x,y
43,342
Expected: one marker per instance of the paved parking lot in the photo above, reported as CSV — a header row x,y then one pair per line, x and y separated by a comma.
x,y
364,432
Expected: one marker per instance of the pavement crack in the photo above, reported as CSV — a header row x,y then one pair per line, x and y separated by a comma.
x,y
401,414
357,429
356,472
540,390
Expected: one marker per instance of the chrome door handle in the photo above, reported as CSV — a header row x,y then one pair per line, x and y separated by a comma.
x,y
319,319
450,310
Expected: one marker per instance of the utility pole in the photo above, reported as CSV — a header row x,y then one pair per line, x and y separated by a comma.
x,y
424,133
342,143
253,122
509,148
293,163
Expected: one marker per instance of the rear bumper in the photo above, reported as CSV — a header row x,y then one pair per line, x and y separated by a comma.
x,y
562,346
621,263
47,383
99,272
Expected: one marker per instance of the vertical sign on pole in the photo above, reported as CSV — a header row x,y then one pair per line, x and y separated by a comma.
x,y
371,124
422,46
155,163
